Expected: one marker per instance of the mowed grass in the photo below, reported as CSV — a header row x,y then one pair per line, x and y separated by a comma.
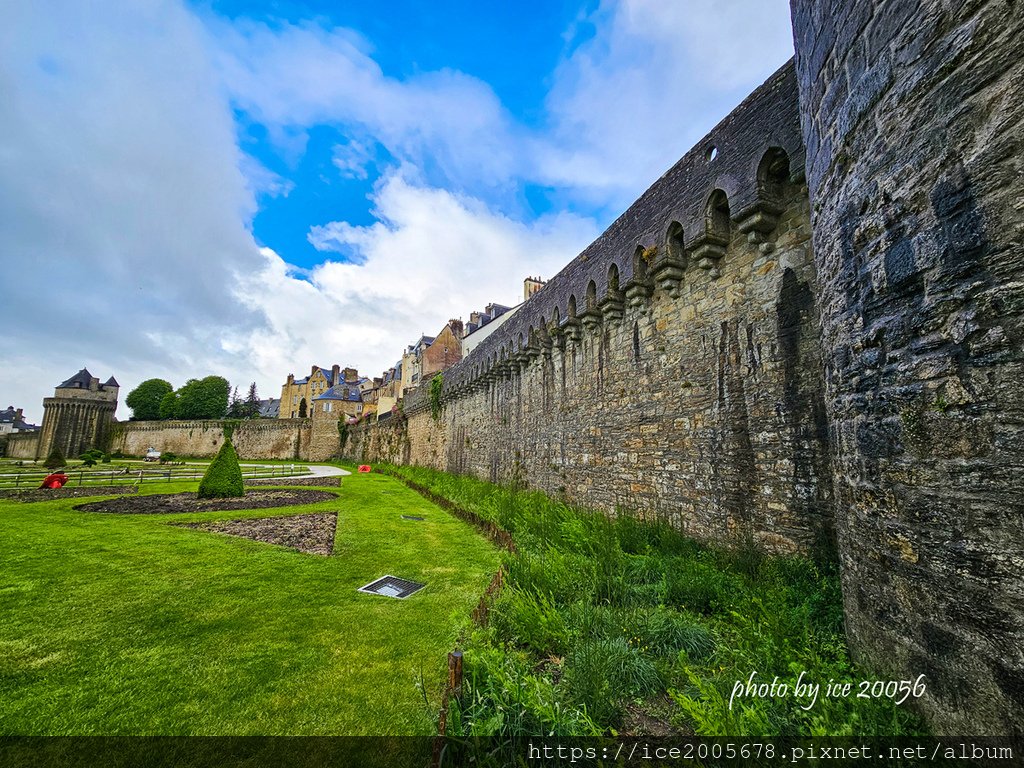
x,y
122,624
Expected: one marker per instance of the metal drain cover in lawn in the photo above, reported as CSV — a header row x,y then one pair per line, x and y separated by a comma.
x,y
392,586
412,517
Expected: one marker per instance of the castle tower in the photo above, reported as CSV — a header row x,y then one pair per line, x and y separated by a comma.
x,y
78,416
913,119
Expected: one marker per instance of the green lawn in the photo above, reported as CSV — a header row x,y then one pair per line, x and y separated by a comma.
x,y
117,624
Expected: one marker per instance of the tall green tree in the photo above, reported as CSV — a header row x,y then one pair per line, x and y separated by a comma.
x,y
145,399
252,403
205,398
302,408
236,406
169,406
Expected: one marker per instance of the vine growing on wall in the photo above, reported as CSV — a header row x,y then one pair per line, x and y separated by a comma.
x,y
436,385
342,435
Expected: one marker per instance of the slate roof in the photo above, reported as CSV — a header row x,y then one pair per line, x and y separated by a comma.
x,y
270,409
348,392
80,380
111,382
10,416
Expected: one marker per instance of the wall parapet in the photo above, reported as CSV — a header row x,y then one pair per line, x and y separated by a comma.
x,y
679,229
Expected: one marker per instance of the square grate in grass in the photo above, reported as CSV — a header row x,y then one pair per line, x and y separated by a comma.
x,y
413,517
392,586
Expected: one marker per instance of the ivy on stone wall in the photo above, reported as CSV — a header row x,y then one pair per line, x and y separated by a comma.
x,y
436,385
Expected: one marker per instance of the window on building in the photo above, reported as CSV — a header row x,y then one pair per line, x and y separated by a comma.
x,y
327,407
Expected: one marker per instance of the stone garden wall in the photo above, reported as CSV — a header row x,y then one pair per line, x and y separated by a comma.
x,y
255,439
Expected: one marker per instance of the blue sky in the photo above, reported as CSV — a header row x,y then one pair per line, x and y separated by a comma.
x,y
247,188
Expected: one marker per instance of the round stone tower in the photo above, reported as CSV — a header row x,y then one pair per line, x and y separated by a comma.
x,y
78,416
913,119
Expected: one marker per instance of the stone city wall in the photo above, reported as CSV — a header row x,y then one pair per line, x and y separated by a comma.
x,y
913,114
671,369
22,445
253,439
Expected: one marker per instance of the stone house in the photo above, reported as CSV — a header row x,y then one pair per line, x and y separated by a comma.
x,y
444,352
320,379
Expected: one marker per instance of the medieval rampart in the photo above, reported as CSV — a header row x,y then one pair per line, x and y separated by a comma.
x,y
671,369
255,439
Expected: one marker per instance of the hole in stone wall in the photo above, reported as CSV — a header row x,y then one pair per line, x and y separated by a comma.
x,y
712,152
392,586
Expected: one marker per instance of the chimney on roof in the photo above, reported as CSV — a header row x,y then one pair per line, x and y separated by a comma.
x,y
335,373
312,370
351,374
18,415
291,379
531,285
456,326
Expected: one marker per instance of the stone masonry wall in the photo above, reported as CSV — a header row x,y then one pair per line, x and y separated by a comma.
x,y
23,445
255,439
913,114
672,369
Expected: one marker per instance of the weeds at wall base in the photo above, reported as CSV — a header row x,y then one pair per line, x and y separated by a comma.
x,y
599,616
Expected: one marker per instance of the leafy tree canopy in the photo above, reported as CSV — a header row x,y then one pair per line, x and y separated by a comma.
x,y
146,398
203,398
169,406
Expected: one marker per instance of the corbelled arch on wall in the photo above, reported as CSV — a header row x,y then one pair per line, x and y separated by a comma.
x,y
866,390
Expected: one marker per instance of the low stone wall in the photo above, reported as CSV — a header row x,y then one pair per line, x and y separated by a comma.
x,y
23,445
255,439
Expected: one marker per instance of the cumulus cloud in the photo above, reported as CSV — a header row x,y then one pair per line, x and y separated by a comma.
x,y
123,212
290,77
431,255
650,81
126,202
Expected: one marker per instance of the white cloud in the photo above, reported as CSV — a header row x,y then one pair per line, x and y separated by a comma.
x,y
123,211
353,158
431,256
125,200
290,77
653,79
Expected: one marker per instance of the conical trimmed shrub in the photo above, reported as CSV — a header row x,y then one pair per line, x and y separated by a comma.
x,y
223,478
56,459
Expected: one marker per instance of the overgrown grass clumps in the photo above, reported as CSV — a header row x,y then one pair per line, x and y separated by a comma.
x,y
223,478
601,619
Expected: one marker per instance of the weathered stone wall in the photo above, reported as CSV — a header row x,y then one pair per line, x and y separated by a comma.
x,y
254,439
23,445
672,368
913,114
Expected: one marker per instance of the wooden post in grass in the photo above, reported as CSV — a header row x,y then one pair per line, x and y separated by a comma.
x,y
80,478
455,673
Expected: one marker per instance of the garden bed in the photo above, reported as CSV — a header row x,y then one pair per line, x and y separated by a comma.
x,y
55,494
330,481
183,503
312,534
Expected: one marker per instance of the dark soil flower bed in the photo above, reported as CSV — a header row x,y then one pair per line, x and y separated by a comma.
x,y
316,482
179,503
312,534
67,492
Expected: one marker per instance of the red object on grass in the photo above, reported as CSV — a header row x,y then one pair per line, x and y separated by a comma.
x,y
364,468
56,480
